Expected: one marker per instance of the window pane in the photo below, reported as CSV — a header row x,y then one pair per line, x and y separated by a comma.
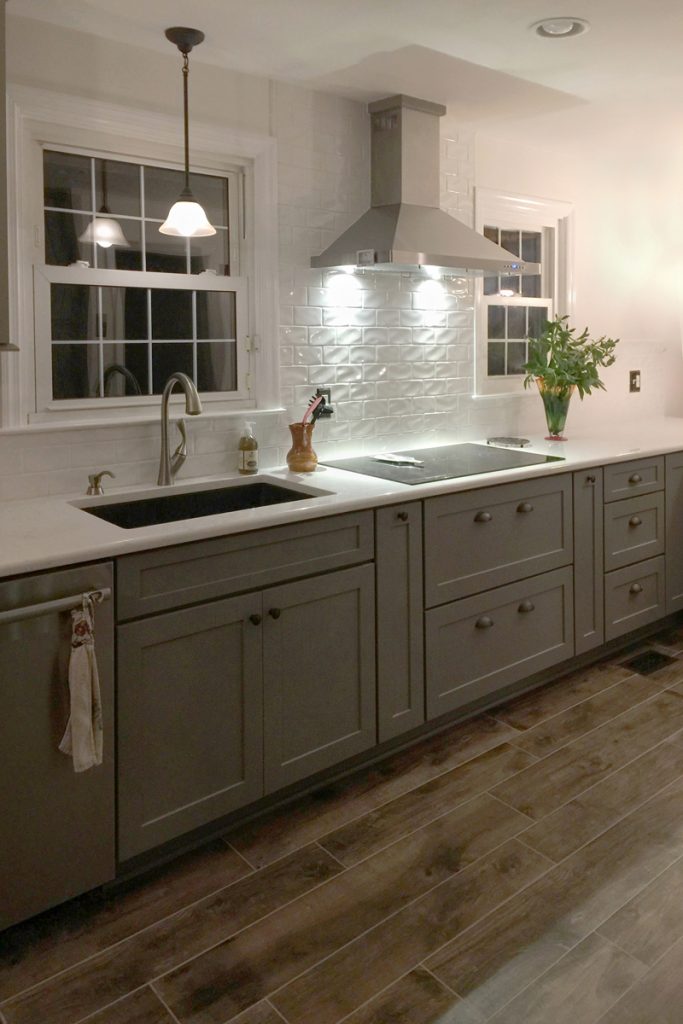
x,y
62,233
491,285
216,315
73,312
516,322
163,185
165,253
538,316
496,359
531,286
496,322
516,356
117,186
492,234
124,314
212,193
510,240
125,370
216,367
120,257
66,180
531,246
75,371
168,359
510,284
171,314
212,253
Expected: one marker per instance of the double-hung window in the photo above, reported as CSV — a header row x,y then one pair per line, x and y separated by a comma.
x,y
512,308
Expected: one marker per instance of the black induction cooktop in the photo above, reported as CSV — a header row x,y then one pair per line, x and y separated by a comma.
x,y
444,463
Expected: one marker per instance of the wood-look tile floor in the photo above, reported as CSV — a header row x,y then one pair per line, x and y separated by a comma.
x,y
524,867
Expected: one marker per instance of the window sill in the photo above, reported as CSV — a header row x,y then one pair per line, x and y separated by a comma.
x,y
148,415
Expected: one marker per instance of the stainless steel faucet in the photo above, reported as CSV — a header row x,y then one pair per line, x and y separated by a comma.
x,y
169,465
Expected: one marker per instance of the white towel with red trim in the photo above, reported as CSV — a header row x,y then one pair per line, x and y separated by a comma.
x,y
82,740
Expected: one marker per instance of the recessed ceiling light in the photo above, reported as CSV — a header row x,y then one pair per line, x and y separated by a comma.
x,y
560,28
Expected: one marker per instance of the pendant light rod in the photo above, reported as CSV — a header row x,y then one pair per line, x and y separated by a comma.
x,y
185,39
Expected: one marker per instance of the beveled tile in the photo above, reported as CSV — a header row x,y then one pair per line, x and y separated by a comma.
x,y
114,973
532,708
417,998
360,970
652,922
577,990
230,977
314,816
504,953
582,819
377,829
39,948
582,718
657,998
561,776
143,1007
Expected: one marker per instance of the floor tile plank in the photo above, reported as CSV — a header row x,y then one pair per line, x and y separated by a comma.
x,y
339,803
417,998
561,776
259,1013
657,998
530,709
360,970
227,979
142,1007
651,923
377,829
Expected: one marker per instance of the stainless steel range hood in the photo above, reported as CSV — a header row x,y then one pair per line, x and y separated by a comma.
x,y
405,229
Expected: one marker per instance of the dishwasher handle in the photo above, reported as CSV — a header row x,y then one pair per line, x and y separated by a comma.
x,y
61,604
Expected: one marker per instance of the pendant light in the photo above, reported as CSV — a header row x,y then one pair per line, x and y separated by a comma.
x,y
186,218
103,229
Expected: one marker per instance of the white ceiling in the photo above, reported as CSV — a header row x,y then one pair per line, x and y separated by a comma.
x,y
477,56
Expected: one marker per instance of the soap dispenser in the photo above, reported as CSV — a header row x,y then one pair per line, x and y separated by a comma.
x,y
247,451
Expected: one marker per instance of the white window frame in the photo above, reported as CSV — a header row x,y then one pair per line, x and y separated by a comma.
x,y
510,210
38,119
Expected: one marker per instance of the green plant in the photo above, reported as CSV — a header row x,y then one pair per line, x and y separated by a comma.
x,y
561,358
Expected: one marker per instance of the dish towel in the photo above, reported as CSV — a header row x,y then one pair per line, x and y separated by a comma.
x,y
82,740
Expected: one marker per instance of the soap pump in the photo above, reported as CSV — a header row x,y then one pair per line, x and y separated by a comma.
x,y
247,451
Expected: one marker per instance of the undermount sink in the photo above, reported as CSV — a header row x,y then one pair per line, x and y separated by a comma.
x,y
169,508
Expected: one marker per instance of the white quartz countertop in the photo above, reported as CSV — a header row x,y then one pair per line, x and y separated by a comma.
x,y
48,532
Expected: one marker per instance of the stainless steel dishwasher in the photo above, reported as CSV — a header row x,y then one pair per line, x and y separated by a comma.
x,y
57,834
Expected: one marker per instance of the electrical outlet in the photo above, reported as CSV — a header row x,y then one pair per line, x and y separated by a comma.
x,y
326,393
634,381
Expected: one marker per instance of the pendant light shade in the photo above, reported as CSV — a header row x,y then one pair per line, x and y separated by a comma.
x,y
186,218
103,229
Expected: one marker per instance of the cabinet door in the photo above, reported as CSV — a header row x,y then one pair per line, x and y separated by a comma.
x,y
318,674
589,586
189,713
400,645
56,826
674,532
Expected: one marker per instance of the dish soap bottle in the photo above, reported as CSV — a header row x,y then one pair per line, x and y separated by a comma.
x,y
247,458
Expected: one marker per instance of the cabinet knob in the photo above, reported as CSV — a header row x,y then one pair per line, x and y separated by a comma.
x,y
484,622
255,620
635,521
483,517
402,516
525,507
274,613
636,588
590,479
635,478
526,606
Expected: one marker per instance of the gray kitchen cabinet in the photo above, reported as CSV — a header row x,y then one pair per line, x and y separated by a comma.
x,y
589,586
319,673
634,530
674,532
400,636
190,712
638,476
634,597
56,826
479,645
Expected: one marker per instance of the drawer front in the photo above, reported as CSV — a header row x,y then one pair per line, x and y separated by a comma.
x,y
477,540
634,530
640,476
157,580
634,597
482,644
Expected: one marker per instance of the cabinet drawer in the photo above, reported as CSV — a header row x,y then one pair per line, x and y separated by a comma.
x,y
482,644
634,530
634,597
639,476
157,580
481,539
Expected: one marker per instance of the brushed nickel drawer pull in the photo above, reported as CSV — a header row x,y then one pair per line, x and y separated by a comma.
x,y
635,521
636,478
402,516
525,507
274,613
527,606
485,622
636,588
590,479
255,620
483,517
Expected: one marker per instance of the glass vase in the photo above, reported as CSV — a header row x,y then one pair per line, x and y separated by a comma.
x,y
301,458
556,401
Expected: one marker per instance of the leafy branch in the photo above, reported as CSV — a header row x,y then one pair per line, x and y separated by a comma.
x,y
562,358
